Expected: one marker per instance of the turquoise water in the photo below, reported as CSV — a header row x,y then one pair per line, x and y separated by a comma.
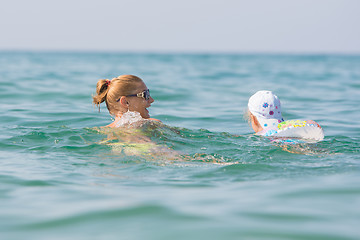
x,y
59,180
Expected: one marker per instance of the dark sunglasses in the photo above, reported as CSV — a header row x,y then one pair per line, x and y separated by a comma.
x,y
144,94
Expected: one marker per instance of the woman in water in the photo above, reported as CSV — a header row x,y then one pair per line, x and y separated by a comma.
x,y
124,94
127,99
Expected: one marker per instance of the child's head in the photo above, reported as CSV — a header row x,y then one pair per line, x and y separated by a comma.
x,y
265,110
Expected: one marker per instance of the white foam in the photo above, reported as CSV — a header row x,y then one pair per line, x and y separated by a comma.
x,y
129,118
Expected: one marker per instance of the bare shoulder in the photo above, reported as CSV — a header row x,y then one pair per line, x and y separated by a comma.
x,y
111,125
154,119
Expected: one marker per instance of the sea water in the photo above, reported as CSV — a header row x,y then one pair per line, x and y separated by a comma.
x,y
61,178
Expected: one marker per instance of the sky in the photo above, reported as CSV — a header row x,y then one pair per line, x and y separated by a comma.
x,y
235,26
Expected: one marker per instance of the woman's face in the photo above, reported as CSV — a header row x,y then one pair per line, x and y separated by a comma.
x,y
140,104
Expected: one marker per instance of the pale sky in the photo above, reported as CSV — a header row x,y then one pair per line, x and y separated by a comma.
x,y
275,26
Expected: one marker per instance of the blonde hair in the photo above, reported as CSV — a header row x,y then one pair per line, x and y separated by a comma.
x,y
110,91
247,115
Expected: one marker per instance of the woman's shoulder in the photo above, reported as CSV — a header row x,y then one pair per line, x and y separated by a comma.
x,y
154,119
111,125
117,123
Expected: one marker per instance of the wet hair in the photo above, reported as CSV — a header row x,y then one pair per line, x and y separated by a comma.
x,y
109,91
247,116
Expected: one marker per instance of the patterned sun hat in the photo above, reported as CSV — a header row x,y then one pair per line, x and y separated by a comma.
x,y
266,107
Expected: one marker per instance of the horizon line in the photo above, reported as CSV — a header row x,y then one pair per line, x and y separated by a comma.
x,y
185,52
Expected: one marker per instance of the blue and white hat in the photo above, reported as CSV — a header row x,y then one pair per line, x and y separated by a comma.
x,y
266,107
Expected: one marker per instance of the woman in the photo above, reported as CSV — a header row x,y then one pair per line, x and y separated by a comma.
x,y
127,98
124,94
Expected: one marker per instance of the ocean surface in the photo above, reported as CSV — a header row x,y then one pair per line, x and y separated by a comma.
x,y
207,177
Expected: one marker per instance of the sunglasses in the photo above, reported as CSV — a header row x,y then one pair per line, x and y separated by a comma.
x,y
144,94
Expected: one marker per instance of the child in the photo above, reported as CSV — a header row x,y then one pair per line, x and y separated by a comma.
x,y
265,112
266,119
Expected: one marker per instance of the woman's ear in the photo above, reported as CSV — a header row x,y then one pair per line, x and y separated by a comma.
x,y
123,101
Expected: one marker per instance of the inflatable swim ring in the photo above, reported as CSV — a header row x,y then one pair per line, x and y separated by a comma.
x,y
302,129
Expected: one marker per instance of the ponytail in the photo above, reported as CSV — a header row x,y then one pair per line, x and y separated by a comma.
x,y
102,88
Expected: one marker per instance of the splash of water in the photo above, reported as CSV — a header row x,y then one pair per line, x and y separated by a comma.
x,y
129,118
